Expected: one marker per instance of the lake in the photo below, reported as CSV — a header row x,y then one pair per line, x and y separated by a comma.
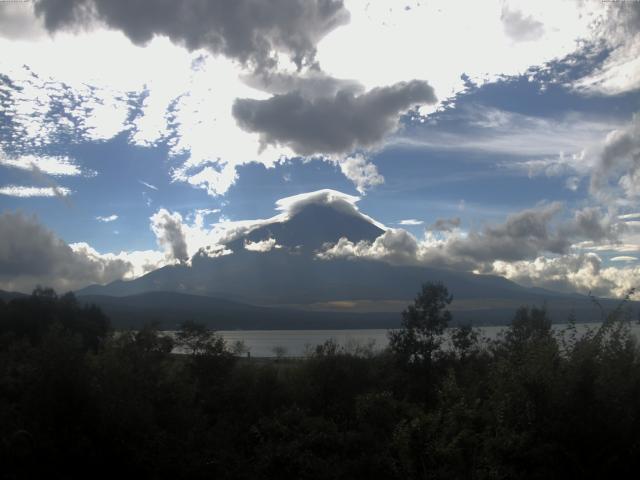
x,y
296,343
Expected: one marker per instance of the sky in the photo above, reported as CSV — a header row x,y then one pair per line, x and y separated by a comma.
x,y
494,137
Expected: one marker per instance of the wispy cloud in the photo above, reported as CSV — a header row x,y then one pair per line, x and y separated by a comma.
x,y
624,258
107,219
148,185
411,221
25,192
57,166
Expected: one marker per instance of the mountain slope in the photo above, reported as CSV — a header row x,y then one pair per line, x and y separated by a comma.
x,y
292,276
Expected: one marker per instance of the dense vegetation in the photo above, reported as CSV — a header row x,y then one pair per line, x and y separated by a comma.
x,y
78,400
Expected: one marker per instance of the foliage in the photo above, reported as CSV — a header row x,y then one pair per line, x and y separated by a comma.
x,y
78,400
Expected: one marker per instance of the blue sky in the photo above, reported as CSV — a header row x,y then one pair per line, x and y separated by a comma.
x,y
426,112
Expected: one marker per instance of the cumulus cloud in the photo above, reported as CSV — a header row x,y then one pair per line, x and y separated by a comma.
x,y
517,249
333,125
619,161
395,245
262,246
581,273
250,31
107,219
30,255
168,228
362,173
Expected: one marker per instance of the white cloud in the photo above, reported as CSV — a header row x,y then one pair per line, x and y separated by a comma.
x,y
262,246
68,89
363,174
57,166
618,31
148,185
107,219
624,258
27,192
532,247
437,43
411,221
343,202
581,273
629,216
549,145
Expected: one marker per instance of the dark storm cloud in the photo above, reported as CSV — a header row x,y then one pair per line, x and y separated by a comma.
x,y
335,124
247,30
30,254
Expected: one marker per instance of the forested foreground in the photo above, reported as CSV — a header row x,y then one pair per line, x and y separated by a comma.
x,y
77,400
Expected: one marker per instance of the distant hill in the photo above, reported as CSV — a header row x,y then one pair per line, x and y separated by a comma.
x,y
169,309
7,296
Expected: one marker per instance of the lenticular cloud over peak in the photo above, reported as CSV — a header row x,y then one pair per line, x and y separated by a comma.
x,y
339,201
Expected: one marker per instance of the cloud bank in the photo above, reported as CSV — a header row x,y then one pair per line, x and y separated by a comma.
x,y
30,254
249,31
532,247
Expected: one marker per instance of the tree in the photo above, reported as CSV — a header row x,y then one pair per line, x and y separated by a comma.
x,y
195,338
423,324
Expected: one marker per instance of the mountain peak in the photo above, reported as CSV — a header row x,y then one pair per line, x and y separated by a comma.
x,y
310,220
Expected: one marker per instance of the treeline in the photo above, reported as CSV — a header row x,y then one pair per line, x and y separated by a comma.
x,y
78,400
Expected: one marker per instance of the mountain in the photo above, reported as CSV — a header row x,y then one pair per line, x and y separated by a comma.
x,y
289,277
311,227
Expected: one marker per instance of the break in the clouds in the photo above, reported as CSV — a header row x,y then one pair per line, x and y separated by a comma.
x,y
250,31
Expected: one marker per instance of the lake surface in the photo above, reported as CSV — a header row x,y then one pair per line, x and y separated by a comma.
x,y
296,343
